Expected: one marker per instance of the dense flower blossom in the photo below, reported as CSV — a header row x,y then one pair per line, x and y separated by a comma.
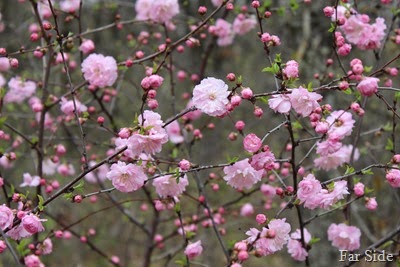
x,y
344,237
67,106
193,249
243,24
242,175
273,238
295,247
170,186
99,70
328,146
4,64
341,123
252,143
291,69
160,11
336,159
371,203
359,189
30,180
32,224
33,261
304,102
330,197
393,177
368,86
6,217
263,160
174,133
19,90
211,96
308,191
46,247
280,103
223,30
153,81
126,177
149,139
358,30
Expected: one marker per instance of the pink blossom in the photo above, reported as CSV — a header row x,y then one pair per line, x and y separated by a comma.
x,y
223,30
308,191
243,24
67,106
70,6
18,232
344,237
126,177
341,123
3,246
368,86
304,102
291,69
330,197
263,160
30,180
44,9
359,189
46,247
193,115
271,243
160,11
371,203
99,70
268,190
87,46
32,224
247,210
193,249
153,81
170,186
393,177
4,64
329,146
217,3
252,143
174,133
211,96
19,90
280,103
6,217
98,175
344,50
261,218
295,247
33,261
242,175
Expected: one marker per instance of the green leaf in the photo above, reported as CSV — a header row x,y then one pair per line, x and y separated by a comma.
x,y
281,11
369,171
310,86
174,153
293,5
181,262
397,96
389,145
239,79
367,69
177,207
232,160
264,99
395,11
278,58
79,187
314,240
268,69
22,247
68,196
2,120
332,28
368,190
388,127
190,234
349,170
297,125
348,91
41,201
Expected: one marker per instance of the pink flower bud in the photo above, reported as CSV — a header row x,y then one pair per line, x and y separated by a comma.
x,y
247,93
184,165
359,189
239,125
231,77
252,143
329,11
261,218
255,4
202,10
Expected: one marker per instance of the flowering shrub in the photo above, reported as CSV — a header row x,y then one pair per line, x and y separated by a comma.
x,y
173,133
